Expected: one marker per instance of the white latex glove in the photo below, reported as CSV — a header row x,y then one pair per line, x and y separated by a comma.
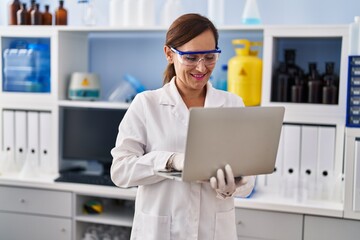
x,y
224,184
176,162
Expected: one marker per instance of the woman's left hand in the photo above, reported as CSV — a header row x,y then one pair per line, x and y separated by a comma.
x,y
224,184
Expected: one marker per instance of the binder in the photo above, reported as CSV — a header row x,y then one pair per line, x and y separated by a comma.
x,y
33,137
309,153
8,147
20,138
291,160
326,155
274,179
45,141
356,200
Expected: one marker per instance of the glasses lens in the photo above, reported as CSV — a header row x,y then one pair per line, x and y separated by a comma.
x,y
193,59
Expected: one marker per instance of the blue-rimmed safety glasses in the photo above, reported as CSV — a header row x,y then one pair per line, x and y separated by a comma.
x,y
191,59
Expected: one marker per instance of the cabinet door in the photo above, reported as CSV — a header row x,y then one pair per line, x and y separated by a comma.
x,y
33,227
256,224
323,228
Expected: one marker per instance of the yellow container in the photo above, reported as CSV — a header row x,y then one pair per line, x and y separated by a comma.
x,y
245,72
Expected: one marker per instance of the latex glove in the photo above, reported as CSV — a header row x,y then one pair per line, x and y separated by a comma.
x,y
176,162
224,184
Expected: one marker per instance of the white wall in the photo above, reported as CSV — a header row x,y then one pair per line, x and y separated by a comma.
x,y
272,11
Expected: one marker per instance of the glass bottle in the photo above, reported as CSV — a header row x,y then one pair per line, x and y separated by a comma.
x,y
251,14
116,13
216,11
331,85
61,14
314,84
88,12
36,15
31,8
22,15
14,7
47,16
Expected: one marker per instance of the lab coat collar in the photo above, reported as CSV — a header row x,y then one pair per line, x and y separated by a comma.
x,y
171,96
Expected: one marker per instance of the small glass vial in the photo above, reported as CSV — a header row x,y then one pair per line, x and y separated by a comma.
x,y
14,7
47,16
61,14
36,15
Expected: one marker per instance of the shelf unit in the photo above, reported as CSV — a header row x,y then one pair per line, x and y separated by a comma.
x,y
75,49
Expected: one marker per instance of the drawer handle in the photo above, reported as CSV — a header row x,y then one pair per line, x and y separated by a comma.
x,y
239,222
22,200
63,230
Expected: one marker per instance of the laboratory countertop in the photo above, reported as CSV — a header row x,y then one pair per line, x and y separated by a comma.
x,y
260,200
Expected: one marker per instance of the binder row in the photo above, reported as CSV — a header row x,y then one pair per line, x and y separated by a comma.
x,y
305,161
27,137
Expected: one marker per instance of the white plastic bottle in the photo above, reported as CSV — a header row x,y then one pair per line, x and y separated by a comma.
x,y
251,14
172,9
131,12
116,13
354,45
216,11
146,12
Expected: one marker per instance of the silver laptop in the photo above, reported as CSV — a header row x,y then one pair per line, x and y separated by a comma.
x,y
247,138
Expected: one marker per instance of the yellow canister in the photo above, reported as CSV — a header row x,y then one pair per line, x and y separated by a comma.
x,y
245,72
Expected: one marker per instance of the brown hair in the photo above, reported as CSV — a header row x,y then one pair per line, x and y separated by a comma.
x,y
183,30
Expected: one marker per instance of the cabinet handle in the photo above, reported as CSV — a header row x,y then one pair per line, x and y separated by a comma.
x,y
22,200
63,230
239,222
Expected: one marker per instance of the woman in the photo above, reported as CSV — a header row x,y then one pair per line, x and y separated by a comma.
x,y
152,136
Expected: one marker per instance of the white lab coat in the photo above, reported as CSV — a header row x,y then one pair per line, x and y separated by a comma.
x,y
153,128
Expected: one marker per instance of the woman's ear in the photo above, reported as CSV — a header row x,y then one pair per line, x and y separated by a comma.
x,y
168,54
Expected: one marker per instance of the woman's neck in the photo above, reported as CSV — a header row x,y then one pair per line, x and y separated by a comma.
x,y
191,97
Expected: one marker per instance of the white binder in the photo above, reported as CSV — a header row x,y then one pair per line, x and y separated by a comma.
x,y
292,134
274,179
326,155
8,129
20,138
309,153
356,200
33,137
45,141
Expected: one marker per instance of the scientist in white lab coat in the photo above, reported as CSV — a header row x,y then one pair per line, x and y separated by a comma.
x,y
152,136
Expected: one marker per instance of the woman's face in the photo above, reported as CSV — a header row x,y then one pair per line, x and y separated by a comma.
x,y
193,78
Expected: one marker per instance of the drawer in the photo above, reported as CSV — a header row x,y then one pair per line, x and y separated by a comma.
x,y
258,224
31,200
324,228
33,227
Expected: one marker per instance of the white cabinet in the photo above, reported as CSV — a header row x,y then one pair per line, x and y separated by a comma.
x,y
256,224
29,213
320,228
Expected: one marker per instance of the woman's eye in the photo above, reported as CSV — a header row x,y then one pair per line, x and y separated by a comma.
x,y
190,58
209,56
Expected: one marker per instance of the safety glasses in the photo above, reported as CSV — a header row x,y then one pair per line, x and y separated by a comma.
x,y
191,59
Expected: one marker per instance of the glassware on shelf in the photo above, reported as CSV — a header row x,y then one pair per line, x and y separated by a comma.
x,y
216,11
31,8
14,7
88,12
116,13
22,15
251,14
331,85
61,14
36,15
47,16
314,84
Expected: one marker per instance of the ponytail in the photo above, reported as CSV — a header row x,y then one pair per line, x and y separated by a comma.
x,y
169,73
